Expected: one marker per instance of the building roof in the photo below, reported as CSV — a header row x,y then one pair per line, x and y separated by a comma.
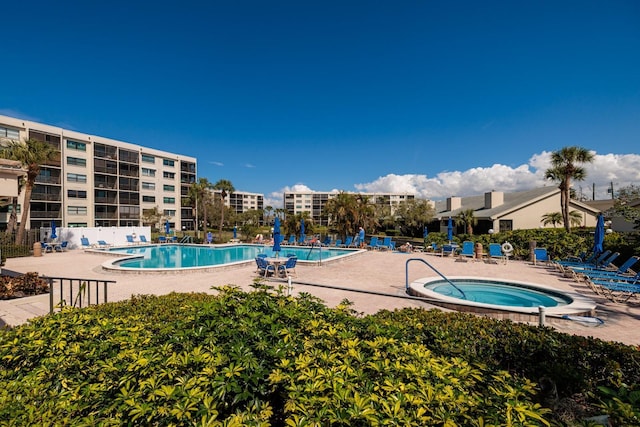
x,y
512,202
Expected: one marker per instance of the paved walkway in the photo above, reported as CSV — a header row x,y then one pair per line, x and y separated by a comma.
x,y
381,272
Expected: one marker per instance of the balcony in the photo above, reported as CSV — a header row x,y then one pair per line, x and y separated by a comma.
x,y
106,215
48,180
107,200
45,214
46,197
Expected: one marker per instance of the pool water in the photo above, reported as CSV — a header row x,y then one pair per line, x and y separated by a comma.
x,y
498,293
188,256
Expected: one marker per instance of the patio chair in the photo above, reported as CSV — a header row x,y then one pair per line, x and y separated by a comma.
x,y
326,241
103,244
495,253
337,243
347,242
264,268
143,239
61,247
162,239
448,250
623,271
467,250
355,242
46,247
572,271
289,267
373,243
540,255
385,244
85,243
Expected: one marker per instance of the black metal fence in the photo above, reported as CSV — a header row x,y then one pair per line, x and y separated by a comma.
x,y
71,292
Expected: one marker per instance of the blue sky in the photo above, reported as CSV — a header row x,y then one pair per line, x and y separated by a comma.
x,y
436,98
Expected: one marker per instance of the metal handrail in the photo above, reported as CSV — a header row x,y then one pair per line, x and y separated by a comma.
x,y
434,269
83,292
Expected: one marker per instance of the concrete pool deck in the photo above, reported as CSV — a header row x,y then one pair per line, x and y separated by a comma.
x,y
375,271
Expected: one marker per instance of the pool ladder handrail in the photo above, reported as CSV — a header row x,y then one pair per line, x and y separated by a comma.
x,y
434,269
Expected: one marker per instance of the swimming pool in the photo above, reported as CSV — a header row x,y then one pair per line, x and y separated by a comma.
x,y
492,296
169,257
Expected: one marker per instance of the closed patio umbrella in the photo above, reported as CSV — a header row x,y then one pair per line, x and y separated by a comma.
x,y
302,236
53,230
276,236
235,232
598,236
167,227
450,230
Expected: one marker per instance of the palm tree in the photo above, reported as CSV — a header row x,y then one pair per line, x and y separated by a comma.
x,y
200,195
468,219
553,218
342,213
31,153
225,187
565,167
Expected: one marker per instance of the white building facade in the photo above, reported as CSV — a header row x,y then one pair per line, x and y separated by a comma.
x,y
101,182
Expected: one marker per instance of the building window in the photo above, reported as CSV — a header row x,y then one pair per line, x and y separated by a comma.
x,y
76,161
148,159
149,199
76,194
169,175
76,177
77,210
148,185
169,212
9,133
148,172
169,200
168,162
75,145
171,188
506,225
76,224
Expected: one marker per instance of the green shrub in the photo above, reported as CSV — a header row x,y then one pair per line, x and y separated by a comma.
x,y
262,358
21,286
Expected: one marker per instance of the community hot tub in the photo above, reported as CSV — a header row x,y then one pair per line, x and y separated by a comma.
x,y
509,299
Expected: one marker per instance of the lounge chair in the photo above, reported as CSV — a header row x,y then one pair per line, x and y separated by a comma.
x,y
46,247
373,243
162,239
326,241
495,253
540,255
618,290
130,239
289,267
623,271
385,244
467,250
61,247
355,242
347,242
103,244
448,250
337,243
143,239
85,243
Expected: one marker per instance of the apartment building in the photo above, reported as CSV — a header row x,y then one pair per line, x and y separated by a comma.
x,y
242,201
101,182
314,202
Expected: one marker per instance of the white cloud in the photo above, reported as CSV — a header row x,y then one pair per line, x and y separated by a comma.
x,y
249,165
621,169
217,163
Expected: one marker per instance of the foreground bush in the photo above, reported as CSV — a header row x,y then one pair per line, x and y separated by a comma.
x,y
21,286
262,358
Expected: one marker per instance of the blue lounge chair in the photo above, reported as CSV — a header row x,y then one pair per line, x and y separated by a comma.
x,y
373,243
467,250
291,241
448,250
130,239
355,242
103,244
540,255
326,241
46,247
143,239
337,243
85,243
385,244
495,253
347,242
61,247
623,270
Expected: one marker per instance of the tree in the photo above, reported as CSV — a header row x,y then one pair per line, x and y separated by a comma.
x,y
225,187
625,204
267,213
553,218
31,153
468,219
414,215
565,166
153,217
200,195
12,224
